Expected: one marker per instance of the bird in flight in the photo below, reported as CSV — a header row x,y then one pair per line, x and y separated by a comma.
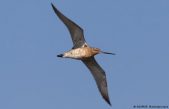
x,y
82,51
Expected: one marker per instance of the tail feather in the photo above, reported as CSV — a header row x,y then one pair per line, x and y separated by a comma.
x,y
60,55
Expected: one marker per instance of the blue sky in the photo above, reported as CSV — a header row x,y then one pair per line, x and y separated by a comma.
x,y
32,77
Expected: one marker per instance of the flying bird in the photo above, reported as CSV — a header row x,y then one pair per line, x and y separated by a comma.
x,y
82,51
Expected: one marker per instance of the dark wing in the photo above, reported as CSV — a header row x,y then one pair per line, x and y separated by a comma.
x,y
75,31
99,75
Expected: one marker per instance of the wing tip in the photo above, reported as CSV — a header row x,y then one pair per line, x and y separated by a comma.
x,y
107,100
53,6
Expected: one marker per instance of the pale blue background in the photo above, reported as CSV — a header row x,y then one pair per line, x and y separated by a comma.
x,y
32,77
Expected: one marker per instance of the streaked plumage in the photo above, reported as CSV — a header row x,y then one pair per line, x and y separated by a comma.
x,y
83,52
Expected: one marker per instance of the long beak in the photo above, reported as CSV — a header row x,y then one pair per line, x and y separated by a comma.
x,y
107,53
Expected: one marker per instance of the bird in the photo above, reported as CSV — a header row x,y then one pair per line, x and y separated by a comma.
x,y
82,51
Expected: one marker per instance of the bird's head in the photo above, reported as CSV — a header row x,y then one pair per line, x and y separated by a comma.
x,y
96,51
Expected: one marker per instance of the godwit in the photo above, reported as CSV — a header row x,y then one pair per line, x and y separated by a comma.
x,y
82,51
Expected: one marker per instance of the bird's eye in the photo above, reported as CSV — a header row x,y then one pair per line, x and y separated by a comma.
x,y
95,49
84,45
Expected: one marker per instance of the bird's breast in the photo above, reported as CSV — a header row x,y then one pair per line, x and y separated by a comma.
x,y
79,53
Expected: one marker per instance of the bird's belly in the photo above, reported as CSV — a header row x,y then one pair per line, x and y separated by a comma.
x,y
79,53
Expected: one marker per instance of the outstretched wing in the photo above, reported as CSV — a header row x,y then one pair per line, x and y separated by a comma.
x,y
99,75
75,31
